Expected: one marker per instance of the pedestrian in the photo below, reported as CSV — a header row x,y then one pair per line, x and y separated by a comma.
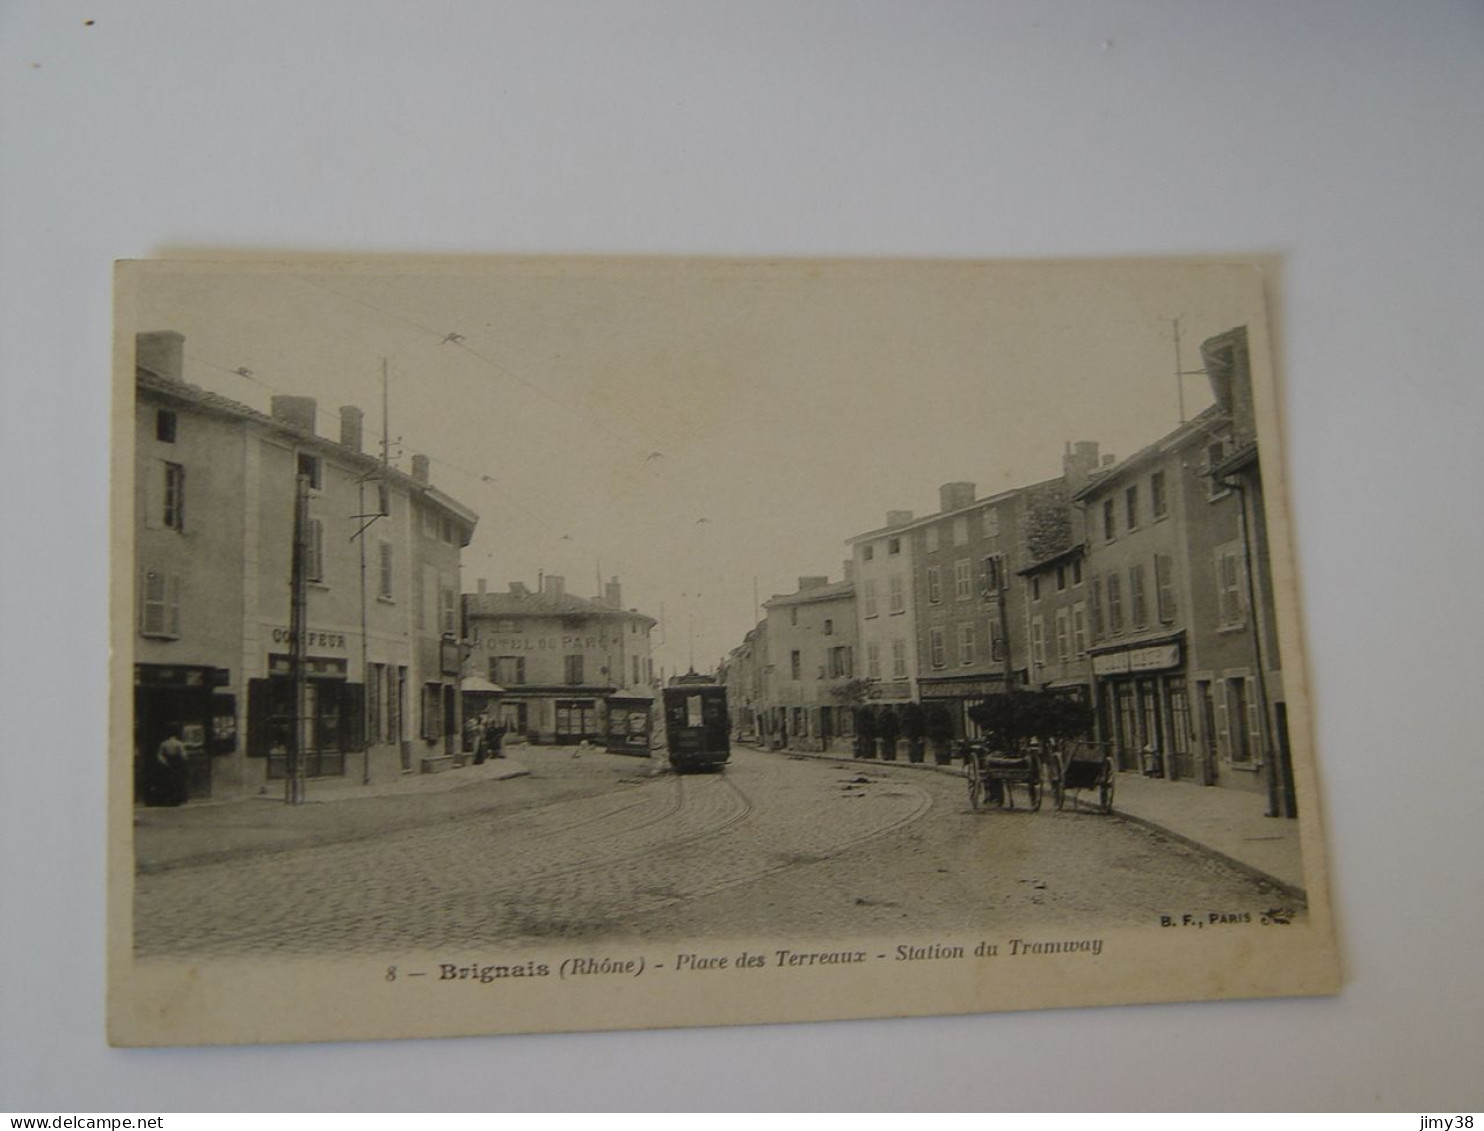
x,y
476,738
493,734
171,771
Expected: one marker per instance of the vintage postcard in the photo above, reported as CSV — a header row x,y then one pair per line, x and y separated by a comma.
x,y
518,645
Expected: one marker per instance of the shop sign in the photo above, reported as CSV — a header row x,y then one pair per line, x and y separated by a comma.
x,y
315,667
890,691
975,687
312,639
1130,660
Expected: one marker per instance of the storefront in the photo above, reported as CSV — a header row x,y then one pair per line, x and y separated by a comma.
x,y
1143,708
958,696
185,700
333,710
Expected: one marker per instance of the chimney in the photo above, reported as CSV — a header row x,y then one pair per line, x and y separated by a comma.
x,y
162,352
297,412
420,469
612,594
812,582
898,518
484,587
1079,462
554,585
955,496
350,427
1107,460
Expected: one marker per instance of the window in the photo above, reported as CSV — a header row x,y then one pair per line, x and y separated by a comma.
x,y
432,710
898,594
1096,599
867,553
936,652
1109,520
1076,571
174,512
1038,641
966,644
1215,453
1164,587
934,585
898,659
1115,604
314,551
992,575
384,575
1035,589
963,580
1131,506
1138,606
829,627
508,671
931,534
893,546
1063,635
1159,502
793,616
839,662
1238,714
868,599
1230,606
159,604
873,660
309,467
991,523
795,665
635,681
448,611
1079,628
961,530
1061,578
574,669
165,426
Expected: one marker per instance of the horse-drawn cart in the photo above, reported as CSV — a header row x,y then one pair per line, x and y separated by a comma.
x,y
1081,766
992,777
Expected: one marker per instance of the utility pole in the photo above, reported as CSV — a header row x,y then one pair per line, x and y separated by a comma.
x,y
298,625
367,520
1180,371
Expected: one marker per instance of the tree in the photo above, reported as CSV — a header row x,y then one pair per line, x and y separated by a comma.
x,y
1016,717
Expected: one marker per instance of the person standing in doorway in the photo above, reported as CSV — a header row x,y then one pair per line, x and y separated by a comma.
x,y
172,773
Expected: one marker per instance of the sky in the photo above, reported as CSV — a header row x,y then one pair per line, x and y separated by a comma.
x,y
708,431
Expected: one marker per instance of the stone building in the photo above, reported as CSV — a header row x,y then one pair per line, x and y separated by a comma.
x,y
886,615
812,638
214,505
554,659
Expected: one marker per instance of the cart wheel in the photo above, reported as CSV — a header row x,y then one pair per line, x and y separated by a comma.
x,y
976,790
1033,789
1105,792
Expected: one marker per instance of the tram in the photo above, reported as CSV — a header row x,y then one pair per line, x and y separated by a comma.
x,y
696,726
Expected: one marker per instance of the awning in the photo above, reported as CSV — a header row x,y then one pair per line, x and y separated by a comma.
x,y
480,685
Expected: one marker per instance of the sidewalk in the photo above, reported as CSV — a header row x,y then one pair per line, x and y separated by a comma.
x,y
1226,823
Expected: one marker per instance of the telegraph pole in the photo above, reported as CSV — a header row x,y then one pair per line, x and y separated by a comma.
x,y
298,626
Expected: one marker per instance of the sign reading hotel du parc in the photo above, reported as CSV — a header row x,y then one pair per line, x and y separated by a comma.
x,y
901,690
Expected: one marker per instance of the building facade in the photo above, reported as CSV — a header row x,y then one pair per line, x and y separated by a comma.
x,y
215,496
555,659
812,642
886,617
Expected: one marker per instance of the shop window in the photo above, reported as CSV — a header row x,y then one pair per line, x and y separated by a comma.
x,y
165,426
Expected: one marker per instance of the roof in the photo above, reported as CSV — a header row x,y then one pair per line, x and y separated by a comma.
x,y
544,605
938,516
1150,452
148,380
818,593
1075,551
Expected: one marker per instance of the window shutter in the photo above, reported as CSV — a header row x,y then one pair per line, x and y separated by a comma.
x,y
154,495
353,717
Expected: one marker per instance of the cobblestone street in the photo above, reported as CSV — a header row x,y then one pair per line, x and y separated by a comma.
x,y
596,847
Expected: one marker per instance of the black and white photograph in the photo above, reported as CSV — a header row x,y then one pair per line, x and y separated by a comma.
x,y
706,640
